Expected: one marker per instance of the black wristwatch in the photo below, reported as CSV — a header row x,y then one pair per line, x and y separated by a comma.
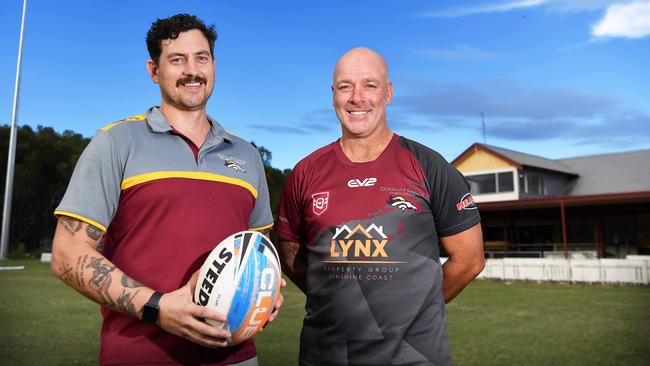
x,y
150,309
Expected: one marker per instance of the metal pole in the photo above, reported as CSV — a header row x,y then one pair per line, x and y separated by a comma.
x,y
11,155
565,246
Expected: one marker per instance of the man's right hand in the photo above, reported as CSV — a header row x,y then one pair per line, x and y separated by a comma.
x,y
179,315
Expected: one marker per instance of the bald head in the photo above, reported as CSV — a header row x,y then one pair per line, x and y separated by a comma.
x,y
361,60
361,91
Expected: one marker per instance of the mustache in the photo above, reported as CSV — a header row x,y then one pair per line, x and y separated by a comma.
x,y
191,79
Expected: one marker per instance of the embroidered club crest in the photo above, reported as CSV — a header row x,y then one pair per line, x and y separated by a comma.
x,y
319,202
233,165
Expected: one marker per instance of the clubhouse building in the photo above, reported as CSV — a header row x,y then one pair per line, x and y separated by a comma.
x,y
595,206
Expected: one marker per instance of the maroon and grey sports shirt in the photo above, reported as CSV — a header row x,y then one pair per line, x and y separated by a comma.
x,y
164,204
374,281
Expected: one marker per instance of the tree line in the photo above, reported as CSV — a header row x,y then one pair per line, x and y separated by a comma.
x,y
45,160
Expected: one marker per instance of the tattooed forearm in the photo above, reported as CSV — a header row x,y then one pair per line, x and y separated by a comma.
x,y
125,303
93,232
66,273
79,273
129,282
291,256
76,262
71,224
293,262
101,279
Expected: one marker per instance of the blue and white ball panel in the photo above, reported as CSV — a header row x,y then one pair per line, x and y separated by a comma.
x,y
241,278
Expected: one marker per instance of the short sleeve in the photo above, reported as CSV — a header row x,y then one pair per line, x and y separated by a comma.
x,y
261,218
453,207
94,189
290,215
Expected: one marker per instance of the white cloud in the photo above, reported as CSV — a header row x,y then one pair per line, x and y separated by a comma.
x,y
622,18
483,9
556,6
630,20
574,6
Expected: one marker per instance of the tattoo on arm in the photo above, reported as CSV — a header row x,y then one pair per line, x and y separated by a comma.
x,y
70,224
125,303
101,280
67,273
73,226
79,275
101,276
100,245
292,256
130,282
93,232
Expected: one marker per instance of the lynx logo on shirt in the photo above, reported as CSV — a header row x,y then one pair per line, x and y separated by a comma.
x,y
319,202
360,254
371,245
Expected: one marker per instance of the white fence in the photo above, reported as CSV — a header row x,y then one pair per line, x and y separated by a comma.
x,y
46,257
632,270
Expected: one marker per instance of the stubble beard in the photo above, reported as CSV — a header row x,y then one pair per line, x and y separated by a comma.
x,y
183,103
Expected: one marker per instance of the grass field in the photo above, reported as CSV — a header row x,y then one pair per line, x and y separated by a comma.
x,y
42,321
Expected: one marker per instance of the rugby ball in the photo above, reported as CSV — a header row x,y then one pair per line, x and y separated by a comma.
x,y
240,278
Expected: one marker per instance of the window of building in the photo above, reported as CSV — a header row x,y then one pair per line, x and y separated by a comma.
x,y
533,183
506,182
491,183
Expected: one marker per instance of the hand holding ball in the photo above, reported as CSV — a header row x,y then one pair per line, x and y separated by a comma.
x,y
241,278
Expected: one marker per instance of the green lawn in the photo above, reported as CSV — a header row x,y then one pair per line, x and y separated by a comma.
x,y
42,321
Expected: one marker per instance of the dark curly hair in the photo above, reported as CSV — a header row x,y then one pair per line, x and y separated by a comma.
x,y
170,28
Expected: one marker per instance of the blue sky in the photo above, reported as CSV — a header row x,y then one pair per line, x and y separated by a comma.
x,y
553,78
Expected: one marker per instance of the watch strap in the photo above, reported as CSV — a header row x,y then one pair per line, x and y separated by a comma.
x,y
151,308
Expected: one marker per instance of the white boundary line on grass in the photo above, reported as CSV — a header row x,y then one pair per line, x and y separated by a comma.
x,y
5,268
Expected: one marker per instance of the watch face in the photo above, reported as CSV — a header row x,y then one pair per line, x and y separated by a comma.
x,y
150,309
150,313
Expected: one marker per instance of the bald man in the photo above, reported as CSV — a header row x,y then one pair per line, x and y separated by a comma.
x,y
360,223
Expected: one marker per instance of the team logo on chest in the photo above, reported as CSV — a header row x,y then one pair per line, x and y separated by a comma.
x,y
401,203
319,202
233,162
233,165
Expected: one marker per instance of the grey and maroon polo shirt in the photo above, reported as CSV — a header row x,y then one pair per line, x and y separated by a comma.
x,y
371,232
164,204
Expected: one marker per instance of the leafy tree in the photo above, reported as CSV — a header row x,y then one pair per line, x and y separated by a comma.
x,y
45,160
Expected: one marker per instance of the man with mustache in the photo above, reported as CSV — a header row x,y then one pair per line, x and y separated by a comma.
x,y
361,220
150,197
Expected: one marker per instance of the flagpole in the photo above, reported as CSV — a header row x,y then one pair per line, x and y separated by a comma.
x,y
11,155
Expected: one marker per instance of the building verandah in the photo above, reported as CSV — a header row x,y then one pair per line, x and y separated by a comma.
x,y
602,226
